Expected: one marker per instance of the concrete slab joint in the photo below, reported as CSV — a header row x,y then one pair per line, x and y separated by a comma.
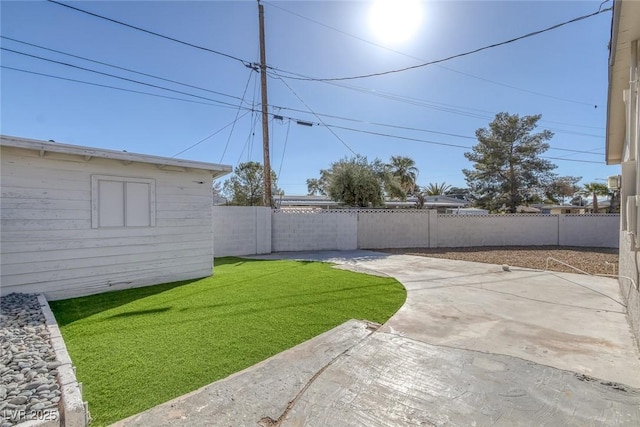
x,y
73,410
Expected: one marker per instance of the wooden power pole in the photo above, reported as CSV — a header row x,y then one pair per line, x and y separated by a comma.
x,y
268,199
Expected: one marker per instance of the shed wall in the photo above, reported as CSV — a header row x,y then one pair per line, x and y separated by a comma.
x,y
48,245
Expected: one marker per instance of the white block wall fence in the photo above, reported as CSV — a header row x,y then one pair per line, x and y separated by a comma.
x,y
313,231
258,230
241,230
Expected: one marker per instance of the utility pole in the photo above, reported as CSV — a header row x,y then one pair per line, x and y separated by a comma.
x,y
268,200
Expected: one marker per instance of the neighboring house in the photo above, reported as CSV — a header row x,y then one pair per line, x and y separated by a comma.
x,y
521,209
623,143
304,202
467,211
561,209
79,220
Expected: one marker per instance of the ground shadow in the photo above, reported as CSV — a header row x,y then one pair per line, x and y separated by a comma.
x,y
74,309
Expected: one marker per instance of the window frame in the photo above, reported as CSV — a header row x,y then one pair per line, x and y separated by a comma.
x,y
95,200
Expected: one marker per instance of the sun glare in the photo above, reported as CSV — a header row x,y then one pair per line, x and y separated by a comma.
x,y
395,21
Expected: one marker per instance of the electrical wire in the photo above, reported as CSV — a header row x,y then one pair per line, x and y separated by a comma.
x,y
235,97
237,113
284,149
238,98
252,133
118,67
319,119
206,49
459,55
248,63
110,75
439,106
232,123
115,87
423,60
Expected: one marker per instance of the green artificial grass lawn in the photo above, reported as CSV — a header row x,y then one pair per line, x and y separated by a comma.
x,y
137,348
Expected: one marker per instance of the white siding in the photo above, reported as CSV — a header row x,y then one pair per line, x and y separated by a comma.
x,y
48,245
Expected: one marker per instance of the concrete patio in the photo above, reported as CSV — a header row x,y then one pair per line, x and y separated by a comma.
x,y
472,345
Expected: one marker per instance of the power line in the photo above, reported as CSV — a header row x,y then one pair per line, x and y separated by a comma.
x,y
459,55
563,159
406,138
119,68
116,88
232,123
206,49
252,132
423,60
439,106
318,117
284,149
333,116
328,126
445,144
386,95
110,75
204,89
237,112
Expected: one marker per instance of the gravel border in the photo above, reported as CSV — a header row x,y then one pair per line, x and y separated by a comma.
x,y
29,388
38,386
591,260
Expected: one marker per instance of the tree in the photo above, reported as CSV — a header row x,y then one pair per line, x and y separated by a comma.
x,y
216,192
246,185
314,187
561,187
507,161
405,171
394,180
355,182
391,186
596,189
436,189
459,193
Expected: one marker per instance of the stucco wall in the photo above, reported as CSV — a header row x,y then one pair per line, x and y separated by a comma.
x,y
629,278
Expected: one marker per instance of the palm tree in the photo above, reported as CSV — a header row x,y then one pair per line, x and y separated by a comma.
x,y
596,189
436,189
405,171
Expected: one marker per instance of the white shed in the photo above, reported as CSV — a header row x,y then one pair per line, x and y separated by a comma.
x,y
78,220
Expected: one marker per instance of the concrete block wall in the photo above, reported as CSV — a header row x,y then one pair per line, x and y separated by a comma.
x,y
589,230
394,229
241,230
496,230
256,230
308,231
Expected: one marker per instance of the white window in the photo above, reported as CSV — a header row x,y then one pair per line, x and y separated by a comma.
x,y
122,202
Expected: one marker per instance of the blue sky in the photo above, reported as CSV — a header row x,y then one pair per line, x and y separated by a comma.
x,y
561,74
